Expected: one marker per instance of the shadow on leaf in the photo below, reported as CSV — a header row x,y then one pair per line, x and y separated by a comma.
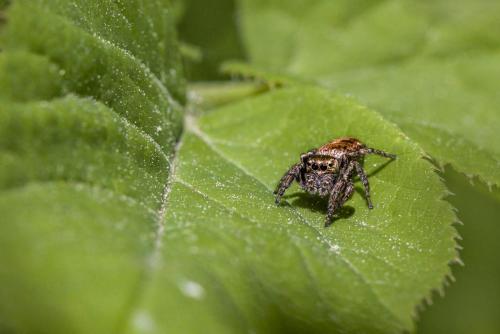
x,y
318,204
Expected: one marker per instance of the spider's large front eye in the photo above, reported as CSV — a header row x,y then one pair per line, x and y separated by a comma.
x,y
315,166
323,167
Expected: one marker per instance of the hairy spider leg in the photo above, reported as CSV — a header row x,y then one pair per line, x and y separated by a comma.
x,y
362,175
381,153
348,192
305,156
286,181
341,192
364,180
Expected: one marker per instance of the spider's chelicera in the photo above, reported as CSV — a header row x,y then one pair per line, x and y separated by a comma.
x,y
329,171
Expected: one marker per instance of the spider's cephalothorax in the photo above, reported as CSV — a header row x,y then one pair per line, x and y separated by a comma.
x,y
329,170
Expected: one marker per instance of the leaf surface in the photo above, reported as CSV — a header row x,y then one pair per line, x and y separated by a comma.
x,y
90,95
102,60
241,263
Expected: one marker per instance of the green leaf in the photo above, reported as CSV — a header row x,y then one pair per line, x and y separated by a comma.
x,y
28,77
240,263
430,67
80,187
105,60
79,140
90,95
103,231
71,253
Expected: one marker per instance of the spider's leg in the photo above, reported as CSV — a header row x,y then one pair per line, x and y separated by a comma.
x,y
349,189
366,184
341,192
347,171
286,181
380,152
305,156
335,200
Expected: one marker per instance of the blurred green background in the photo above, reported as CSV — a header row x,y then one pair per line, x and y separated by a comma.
x,y
472,303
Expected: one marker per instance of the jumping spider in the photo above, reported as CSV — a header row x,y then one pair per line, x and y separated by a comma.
x,y
329,170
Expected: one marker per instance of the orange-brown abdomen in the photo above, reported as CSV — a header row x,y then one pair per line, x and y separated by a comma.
x,y
344,144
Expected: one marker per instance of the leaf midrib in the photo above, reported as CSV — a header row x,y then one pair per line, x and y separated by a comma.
x,y
152,260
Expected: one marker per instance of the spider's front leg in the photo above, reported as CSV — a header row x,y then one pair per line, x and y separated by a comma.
x,y
341,192
384,154
286,181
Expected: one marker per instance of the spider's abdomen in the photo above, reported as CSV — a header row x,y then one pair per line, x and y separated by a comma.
x,y
320,184
341,146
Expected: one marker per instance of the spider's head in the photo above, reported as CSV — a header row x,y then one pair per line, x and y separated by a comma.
x,y
321,164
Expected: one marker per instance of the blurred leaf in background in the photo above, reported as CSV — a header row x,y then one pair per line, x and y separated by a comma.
x,y
472,303
212,28
4,4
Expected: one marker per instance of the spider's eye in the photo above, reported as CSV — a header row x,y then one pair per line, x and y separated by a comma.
x,y
314,166
330,164
323,167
